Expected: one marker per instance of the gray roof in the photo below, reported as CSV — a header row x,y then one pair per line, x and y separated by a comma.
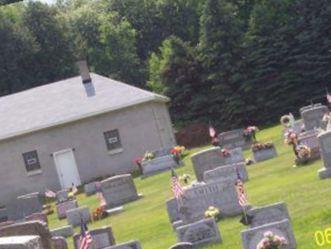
x,y
66,101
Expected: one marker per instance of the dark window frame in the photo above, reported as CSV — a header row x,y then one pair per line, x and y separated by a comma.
x,y
31,161
112,134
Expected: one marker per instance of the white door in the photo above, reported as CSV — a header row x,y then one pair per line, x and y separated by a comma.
x,y
66,168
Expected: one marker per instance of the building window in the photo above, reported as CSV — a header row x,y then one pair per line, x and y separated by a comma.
x,y
31,161
113,140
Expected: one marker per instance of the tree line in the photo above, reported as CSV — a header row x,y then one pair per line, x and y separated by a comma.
x,y
226,62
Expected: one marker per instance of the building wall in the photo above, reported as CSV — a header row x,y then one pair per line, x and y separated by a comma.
x,y
139,130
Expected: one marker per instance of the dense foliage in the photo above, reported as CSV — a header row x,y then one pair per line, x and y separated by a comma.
x,y
230,62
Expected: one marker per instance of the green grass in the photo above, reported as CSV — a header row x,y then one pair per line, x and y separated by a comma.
x,y
307,197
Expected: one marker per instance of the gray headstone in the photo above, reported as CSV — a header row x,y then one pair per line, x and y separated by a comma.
x,y
177,223
310,138
268,214
128,245
325,145
313,115
158,164
102,238
77,215
252,237
59,242
30,204
173,210
162,152
233,139
198,199
21,242
65,231
212,158
296,128
264,154
29,228
226,172
63,207
201,232
182,245
62,196
119,190
90,188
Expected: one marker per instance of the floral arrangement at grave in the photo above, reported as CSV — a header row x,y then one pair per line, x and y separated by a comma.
x,y
303,154
250,133
286,121
213,212
271,241
225,152
185,178
262,146
291,138
179,151
99,213
249,161
148,156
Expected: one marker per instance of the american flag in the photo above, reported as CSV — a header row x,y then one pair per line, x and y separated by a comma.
x,y
212,131
328,97
175,185
85,237
241,193
50,193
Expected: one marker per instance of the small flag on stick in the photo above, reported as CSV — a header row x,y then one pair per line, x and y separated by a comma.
x,y
85,236
175,185
241,193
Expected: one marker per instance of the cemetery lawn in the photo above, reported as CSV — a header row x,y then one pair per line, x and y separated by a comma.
x,y
307,197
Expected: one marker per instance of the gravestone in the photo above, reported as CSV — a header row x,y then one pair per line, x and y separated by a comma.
x,y
128,245
29,228
38,217
182,245
63,207
119,190
3,214
90,188
251,237
312,116
173,210
198,199
310,138
21,242
268,214
62,196
198,233
212,158
29,204
77,215
65,231
59,242
233,139
226,172
325,144
102,238
177,223
158,164
264,154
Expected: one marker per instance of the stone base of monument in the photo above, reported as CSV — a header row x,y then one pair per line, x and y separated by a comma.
x,y
198,233
264,154
134,244
21,242
159,165
116,210
324,173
